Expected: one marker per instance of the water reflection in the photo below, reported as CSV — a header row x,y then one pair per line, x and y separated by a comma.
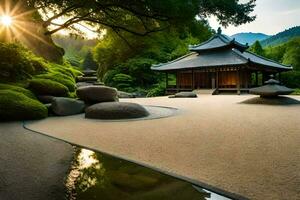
x,y
98,176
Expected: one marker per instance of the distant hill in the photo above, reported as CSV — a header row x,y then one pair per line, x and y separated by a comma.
x,y
249,38
281,37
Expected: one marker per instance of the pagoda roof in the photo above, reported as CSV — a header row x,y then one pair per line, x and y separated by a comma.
x,y
218,41
227,57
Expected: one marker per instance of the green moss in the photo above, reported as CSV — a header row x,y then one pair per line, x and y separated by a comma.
x,y
17,89
17,106
47,87
60,78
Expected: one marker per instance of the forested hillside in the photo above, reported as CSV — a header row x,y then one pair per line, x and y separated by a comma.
x,y
287,53
76,48
249,38
281,37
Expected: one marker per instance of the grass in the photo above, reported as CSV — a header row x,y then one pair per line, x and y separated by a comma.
x,y
296,92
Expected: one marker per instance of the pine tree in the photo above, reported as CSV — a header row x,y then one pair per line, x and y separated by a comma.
x,y
89,62
257,49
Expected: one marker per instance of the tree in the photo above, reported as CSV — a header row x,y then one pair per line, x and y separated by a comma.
x,y
89,62
138,17
257,49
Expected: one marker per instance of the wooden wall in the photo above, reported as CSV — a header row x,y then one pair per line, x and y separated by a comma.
x,y
227,79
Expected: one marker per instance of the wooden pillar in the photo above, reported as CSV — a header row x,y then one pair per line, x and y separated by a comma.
x,y
177,81
238,81
279,77
256,78
167,80
193,79
217,82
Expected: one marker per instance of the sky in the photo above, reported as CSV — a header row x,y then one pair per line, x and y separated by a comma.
x,y
273,16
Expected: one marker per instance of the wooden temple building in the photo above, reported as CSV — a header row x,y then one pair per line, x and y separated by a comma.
x,y
219,64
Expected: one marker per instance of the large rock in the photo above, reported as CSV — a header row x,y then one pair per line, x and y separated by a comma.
x,y
66,106
97,94
116,110
122,94
46,99
87,79
184,95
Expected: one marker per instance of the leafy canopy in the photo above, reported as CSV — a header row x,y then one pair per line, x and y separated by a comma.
x,y
146,16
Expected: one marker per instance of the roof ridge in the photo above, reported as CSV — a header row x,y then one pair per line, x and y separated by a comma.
x,y
205,42
290,66
240,54
177,59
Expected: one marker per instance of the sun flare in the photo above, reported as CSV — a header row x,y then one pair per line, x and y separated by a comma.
x,y
6,20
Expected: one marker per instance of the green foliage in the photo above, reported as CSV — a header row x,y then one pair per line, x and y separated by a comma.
x,y
76,48
47,87
136,55
257,48
18,63
89,62
17,106
289,54
17,89
158,90
296,92
122,81
291,79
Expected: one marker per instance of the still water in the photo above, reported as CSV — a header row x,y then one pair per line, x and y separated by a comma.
x,y
102,177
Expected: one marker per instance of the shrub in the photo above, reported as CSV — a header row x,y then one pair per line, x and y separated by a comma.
x,y
18,63
24,91
291,79
60,78
47,87
159,90
17,106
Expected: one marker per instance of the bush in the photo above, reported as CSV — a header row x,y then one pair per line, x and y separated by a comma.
x,y
17,89
18,63
16,106
291,79
60,78
159,90
48,87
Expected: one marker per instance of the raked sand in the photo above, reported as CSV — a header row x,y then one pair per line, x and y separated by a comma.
x,y
248,150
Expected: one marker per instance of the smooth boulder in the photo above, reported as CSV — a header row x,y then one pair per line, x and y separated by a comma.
x,y
45,99
122,94
184,95
97,94
66,106
116,110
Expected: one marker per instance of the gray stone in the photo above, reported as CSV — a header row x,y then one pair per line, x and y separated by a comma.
x,y
89,72
271,89
83,84
185,95
66,106
45,99
86,79
116,110
122,94
97,94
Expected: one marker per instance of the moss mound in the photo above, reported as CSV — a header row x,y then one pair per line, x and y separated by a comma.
x,y
17,106
48,87
24,91
60,78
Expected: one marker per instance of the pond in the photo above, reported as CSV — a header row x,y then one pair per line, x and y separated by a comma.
x,y
99,176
